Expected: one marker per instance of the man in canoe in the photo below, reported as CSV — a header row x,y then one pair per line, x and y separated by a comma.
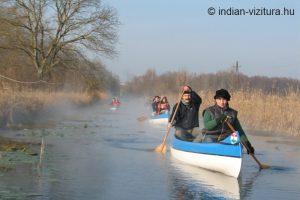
x,y
186,118
214,118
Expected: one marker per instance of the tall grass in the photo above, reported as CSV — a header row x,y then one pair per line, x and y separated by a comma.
x,y
258,111
31,103
271,112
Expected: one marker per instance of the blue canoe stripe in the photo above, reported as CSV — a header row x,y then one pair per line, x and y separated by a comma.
x,y
208,148
161,116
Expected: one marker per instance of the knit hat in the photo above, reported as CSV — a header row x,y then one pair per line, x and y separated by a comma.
x,y
223,94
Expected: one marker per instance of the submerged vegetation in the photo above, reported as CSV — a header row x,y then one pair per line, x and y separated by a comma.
x,y
10,145
265,104
14,152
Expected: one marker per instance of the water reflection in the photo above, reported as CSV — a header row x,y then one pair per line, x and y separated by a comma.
x,y
247,184
191,182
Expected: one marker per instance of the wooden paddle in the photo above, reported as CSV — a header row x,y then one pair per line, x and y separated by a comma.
x,y
142,118
162,148
261,166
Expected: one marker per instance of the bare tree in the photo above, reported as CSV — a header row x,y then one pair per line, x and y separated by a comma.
x,y
45,29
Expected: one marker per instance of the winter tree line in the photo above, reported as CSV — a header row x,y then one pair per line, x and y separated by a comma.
x,y
150,83
47,44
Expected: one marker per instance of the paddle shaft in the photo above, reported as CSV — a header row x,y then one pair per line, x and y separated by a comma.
x,y
252,155
172,119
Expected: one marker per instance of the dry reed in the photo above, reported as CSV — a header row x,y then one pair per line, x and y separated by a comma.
x,y
32,102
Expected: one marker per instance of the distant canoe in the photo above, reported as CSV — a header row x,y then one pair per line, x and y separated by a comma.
x,y
159,119
114,108
224,157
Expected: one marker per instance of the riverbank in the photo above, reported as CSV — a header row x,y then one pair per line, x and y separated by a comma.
x,y
261,112
26,107
33,109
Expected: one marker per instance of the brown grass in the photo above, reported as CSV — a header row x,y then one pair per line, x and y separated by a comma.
x,y
270,113
32,102
43,97
261,112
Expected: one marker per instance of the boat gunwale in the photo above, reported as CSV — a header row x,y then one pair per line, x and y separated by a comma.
x,y
161,116
207,153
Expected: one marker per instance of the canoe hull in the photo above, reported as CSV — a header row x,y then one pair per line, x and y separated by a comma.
x,y
159,119
114,108
224,157
230,166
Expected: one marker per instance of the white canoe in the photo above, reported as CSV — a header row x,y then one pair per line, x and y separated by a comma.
x,y
224,157
160,119
114,108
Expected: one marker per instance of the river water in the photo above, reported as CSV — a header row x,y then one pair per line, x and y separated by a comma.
x,y
97,153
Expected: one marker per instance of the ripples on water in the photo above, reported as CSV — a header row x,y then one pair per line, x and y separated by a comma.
x,y
102,154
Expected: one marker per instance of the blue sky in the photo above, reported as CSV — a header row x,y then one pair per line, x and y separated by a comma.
x,y
170,35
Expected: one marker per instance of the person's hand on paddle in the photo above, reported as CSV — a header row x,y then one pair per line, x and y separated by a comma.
x,y
250,149
162,148
221,118
171,124
186,88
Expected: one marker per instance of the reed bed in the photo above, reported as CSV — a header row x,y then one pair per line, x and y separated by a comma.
x,y
31,103
272,113
261,112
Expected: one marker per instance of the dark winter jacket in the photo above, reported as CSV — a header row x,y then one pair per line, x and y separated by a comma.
x,y
187,115
213,125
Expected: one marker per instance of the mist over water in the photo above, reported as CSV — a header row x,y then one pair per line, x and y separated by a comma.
x,y
98,153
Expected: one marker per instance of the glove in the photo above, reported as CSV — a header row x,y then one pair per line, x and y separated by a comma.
x,y
172,124
221,118
250,149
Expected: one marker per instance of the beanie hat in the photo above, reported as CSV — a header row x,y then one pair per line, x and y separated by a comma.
x,y
187,92
222,93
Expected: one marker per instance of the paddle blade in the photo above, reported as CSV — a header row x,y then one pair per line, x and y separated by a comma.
x,y
142,118
264,166
261,166
162,148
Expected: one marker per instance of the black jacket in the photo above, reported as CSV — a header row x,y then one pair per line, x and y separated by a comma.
x,y
187,116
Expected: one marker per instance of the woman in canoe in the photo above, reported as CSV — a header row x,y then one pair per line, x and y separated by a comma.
x,y
154,104
115,102
163,106
214,118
